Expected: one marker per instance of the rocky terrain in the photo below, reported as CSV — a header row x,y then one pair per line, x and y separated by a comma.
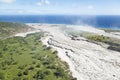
x,y
87,60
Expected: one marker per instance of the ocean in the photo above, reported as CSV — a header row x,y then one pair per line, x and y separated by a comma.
x,y
101,21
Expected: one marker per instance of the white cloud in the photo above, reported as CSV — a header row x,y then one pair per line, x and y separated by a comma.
x,y
20,11
43,2
46,1
39,4
7,1
90,7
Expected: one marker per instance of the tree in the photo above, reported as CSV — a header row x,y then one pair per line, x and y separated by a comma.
x,y
39,75
55,52
1,55
1,76
59,72
25,72
19,74
38,65
31,68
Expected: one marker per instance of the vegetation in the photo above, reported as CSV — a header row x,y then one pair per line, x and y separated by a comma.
x,y
7,29
110,30
99,38
114,44
25,58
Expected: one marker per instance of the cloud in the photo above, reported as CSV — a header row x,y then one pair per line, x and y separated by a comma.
x,y
46,1
43,2
20,11
7,1
39,3
90,7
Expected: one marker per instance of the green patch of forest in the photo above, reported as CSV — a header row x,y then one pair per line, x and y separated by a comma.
x,y
110,30
114,44
25,58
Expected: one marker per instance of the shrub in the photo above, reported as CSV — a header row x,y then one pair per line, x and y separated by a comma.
x,y
55,52
19,74
74,79
38,65
25,72
17,78
39,75
51,67
48,48
44,46
47,72
31,68
1,76
21,67
46,63
14,63
33,62
25,78
59,72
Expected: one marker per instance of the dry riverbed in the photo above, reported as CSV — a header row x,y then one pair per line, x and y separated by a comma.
x,y
87,60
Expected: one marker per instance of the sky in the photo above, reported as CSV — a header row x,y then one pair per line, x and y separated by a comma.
x,y
60,7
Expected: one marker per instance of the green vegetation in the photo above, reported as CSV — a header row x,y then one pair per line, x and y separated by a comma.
x,y
95,37
114,44
8,29
110,30
25,58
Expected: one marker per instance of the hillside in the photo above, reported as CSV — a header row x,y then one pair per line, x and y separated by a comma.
x,y
8,29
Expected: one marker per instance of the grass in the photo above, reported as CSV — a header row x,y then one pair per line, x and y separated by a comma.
x,y
25,58
114,44
110,30
8,29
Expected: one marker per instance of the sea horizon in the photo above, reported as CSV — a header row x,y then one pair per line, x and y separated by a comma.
x,y
98,21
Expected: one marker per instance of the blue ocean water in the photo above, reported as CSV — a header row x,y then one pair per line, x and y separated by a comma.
x,y
96,21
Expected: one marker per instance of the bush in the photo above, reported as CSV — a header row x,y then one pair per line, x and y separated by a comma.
x,y
25,78
59,72
14,63
39,75
31,68
21,67
46,63
17,78
19,74
99,38
25,72
55,52
74,79
1,76
38,65
47,72
33,62
51,67
48,48
1,55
